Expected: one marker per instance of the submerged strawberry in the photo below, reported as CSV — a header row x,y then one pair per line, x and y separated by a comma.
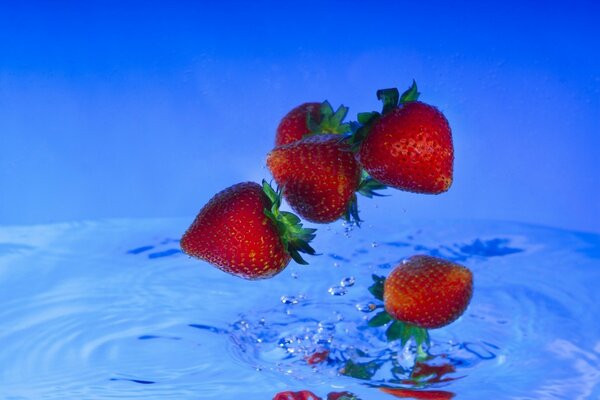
x,y
319,176
242,232
311,118
428,292
409,146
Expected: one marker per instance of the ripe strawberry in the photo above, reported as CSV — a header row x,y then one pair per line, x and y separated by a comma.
x,y
427,292
242,232
319,176
310,118
409,147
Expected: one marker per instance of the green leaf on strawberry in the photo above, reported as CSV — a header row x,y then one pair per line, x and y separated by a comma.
x,y
351,214
380,319
389,97
329,121
411,94
295,238
376,288
368,186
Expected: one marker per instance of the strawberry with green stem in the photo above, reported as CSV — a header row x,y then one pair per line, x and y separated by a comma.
x,y
242,231
407,146
422,293
310,119
320,178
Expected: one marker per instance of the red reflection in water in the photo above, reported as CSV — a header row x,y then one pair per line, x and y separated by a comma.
x,y
418,394
302,395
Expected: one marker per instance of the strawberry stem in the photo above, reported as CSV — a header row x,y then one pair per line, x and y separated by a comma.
x,y
351,214
294,237
390,99
368,186
411,94
330,121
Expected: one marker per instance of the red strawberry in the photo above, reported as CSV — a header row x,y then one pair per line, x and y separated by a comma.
x,y
409,147
319,176
302,395
242,231
310,118
427,292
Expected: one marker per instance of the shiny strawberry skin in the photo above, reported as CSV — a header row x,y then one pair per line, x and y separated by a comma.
x,y
233,233
410,148
427,292
293,126
319,175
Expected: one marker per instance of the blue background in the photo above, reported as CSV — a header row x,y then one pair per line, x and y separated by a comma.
x,y
148,109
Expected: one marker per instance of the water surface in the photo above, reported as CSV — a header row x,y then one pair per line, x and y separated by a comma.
x,y
113,309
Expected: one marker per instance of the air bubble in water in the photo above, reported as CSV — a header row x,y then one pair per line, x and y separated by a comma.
x,y
347,282
374,244
290,299
337,290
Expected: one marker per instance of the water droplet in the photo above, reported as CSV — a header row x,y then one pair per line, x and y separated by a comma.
x,y
374,244
337,290
366,308
289,300
347,282
294,275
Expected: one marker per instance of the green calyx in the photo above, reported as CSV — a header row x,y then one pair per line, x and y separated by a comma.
x,y
367,187
330,122
391,99
397,330
295,238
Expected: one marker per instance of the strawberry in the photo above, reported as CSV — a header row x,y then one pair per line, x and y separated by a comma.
x,y
428,292
301,395
422,293
310,118
409,146
242,232
319,176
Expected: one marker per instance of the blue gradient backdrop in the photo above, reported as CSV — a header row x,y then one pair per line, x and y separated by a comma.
x,y
147,109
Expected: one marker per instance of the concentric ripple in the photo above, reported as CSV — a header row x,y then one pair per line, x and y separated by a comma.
x,y
113,309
